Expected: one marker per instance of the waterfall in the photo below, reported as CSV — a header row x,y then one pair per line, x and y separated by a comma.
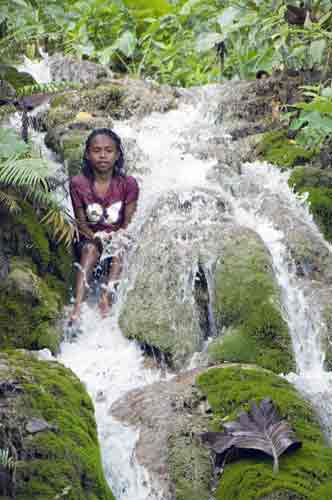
x,y
258,198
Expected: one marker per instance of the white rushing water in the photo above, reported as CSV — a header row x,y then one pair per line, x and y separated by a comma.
x,y
110,365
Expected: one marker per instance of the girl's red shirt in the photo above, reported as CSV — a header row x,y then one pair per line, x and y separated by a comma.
x,y
122,190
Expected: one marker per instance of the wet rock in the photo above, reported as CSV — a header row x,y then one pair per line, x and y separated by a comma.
x,y
181,235
247,305
49,426
170,417
35,306
35,425
69,69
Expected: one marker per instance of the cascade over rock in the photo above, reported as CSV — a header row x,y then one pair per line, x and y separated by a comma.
x,y
182,234
222,252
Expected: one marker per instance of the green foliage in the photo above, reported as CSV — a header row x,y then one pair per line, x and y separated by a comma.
x,y
278,149
314,122
26,178
6,460
174,42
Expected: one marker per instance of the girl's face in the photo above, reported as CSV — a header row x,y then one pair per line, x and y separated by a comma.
x,y
102,154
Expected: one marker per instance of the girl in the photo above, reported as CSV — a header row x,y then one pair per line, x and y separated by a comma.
x,y
104,200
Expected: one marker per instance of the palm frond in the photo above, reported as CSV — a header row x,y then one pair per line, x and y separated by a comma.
x,y
62,224
47,88
28,172
10,202
5,460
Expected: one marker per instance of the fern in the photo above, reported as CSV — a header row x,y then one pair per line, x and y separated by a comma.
x,y
47,88
5,460
10,202
29,172
63,225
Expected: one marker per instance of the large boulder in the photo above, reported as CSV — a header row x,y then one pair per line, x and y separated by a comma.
x,y
166,309
247,307
36,273
170,414
34,304
49,433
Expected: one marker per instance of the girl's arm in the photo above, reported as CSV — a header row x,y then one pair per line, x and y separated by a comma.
x,y
130,210
82,222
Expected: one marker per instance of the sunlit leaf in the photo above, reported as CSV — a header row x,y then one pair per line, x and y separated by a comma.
x,y
126,43
317,49
207,41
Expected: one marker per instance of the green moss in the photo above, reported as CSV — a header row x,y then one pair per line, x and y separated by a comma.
x,y
277,149
318,184
302,473
66,458
63,100
189,467
35,307
247,304
37,234
59,116
103,97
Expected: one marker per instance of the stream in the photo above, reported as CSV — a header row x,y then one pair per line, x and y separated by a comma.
x,y
260,199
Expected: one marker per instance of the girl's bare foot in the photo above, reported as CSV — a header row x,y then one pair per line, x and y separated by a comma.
x,y
75,314
105,304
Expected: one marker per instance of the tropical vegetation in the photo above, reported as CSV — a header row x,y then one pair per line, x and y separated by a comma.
x,y
174,41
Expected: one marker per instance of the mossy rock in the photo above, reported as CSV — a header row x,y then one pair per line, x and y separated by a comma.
x,y
278,149
318,184
62,460
35,306
15,78
189,468
58,116
40,245
303,474
247,305
102,97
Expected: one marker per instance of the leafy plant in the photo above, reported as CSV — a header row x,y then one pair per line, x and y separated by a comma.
x,y
7,461
259,429
313,125
23,177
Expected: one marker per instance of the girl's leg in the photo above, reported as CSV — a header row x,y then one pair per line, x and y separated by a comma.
x,y
105,302
89,258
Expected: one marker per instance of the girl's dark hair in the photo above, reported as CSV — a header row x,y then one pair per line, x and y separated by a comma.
x,y
87,169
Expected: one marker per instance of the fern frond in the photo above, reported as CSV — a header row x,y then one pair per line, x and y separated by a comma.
x,y
27,172
10,202
5,460
47,88
62,227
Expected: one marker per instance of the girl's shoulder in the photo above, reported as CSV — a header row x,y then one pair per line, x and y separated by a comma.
x,y
79,181
126,181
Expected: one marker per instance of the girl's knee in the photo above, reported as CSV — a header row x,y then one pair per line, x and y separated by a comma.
x,y
90,251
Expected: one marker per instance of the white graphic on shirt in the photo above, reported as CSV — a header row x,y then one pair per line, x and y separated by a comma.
x,y
113,213
110,215
94,213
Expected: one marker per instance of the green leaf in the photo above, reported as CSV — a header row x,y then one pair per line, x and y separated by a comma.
x,y
317,48
327,92
21,3
207,41
320,106
186,8
11,144
228,17
126,43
